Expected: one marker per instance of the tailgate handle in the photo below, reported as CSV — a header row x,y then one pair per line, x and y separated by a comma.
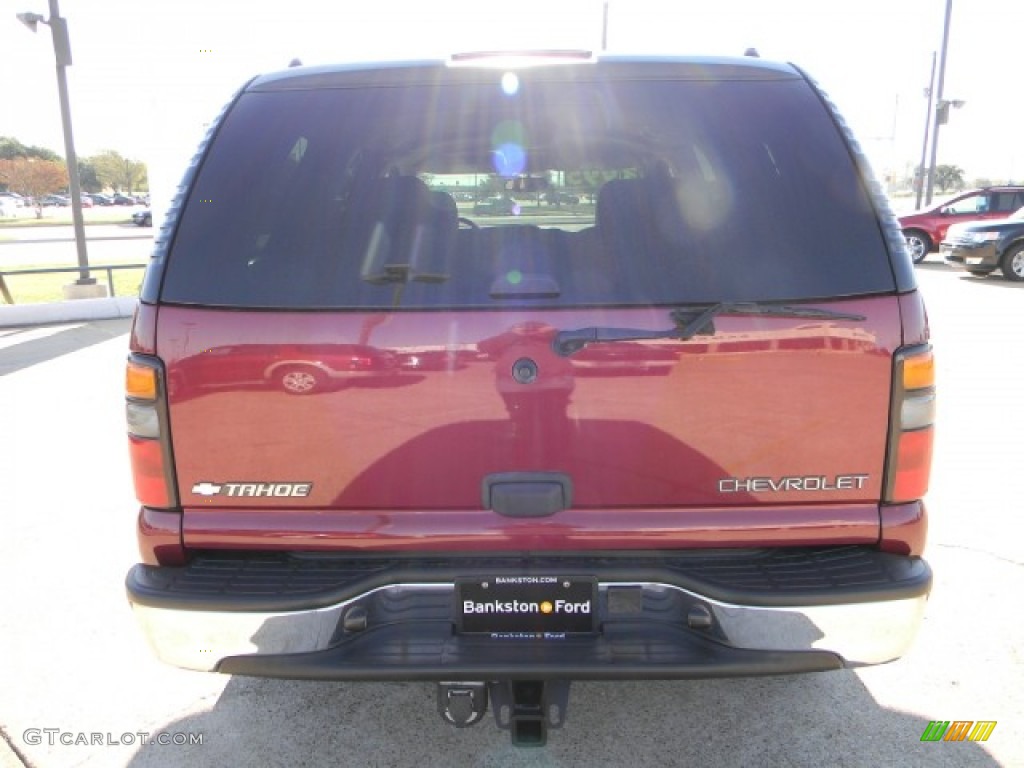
x,y
527,494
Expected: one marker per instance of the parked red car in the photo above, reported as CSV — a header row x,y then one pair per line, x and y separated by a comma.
x,y
926,228
297,369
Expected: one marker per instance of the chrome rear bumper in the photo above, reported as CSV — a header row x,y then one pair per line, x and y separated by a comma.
x,y
859,633
647,629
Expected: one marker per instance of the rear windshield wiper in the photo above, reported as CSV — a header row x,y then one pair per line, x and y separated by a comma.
x,y
689,321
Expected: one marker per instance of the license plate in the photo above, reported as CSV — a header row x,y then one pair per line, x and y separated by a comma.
x,y
526,607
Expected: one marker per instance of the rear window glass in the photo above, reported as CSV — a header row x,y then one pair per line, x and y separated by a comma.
x,y
486,194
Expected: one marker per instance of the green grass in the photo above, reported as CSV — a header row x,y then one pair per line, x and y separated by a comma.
x,y
37,289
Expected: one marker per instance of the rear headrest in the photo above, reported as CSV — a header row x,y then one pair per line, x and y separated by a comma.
x,y
399,221
444,211
396,199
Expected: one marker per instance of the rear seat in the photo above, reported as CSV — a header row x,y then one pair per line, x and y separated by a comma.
x,y
408,235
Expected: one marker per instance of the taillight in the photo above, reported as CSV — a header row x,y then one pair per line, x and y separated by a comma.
x,y
148,444
912,425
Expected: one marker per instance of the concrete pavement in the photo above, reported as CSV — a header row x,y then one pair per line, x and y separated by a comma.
x,y
8,757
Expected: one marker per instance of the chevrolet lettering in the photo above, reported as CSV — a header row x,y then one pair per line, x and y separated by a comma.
x,y
781,484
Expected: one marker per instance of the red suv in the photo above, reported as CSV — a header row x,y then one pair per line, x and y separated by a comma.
x,y
656,436
926,228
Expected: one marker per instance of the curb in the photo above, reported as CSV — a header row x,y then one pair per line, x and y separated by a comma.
x,y
67,311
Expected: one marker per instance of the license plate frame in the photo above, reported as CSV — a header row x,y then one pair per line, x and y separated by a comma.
x,y
545,607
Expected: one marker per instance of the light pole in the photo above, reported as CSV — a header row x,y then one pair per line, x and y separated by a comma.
x,y
604,28
939,113
922,169
62,53
941,118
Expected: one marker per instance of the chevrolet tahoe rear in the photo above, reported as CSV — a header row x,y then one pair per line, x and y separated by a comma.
x,y
680,429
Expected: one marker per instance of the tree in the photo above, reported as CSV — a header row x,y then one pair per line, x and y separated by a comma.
x,y
118,172
34,178
949,177
87,177
11,148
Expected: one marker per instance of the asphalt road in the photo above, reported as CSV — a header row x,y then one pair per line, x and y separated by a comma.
x,y
73,667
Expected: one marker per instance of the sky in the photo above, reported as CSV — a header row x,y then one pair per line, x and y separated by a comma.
x,y
147,75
